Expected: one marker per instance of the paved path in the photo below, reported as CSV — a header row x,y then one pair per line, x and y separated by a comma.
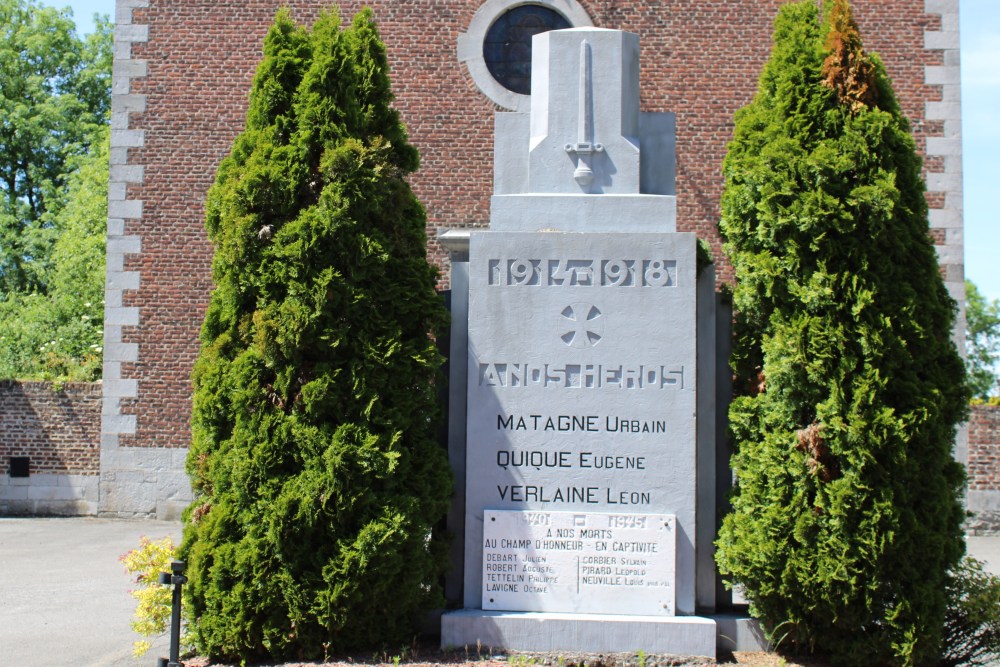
x,y
63,594
986,549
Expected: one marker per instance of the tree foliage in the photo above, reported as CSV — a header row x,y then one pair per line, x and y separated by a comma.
x,y
57,334
982,342
316,472
54,96
846,516
972,622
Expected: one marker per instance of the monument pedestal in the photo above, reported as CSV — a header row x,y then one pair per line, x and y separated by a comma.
x,y
582,432
587,633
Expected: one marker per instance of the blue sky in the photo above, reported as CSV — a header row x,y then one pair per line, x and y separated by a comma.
x,y
980,29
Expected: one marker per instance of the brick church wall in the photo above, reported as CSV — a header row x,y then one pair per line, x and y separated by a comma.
x,y
58,431
182,73
984,469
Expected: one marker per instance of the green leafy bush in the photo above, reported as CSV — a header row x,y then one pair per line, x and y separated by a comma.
x,y
152,613
972,622
846,516
317,475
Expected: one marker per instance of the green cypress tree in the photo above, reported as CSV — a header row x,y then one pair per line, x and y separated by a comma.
x,y
317,475
846,513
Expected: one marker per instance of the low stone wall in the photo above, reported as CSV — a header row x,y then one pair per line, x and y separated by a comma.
x,y
49,447
984,470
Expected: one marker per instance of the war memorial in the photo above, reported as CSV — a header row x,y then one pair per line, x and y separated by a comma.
x,y
572,208
584,346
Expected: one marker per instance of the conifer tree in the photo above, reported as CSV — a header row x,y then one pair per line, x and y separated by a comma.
x,y
317,476
846,513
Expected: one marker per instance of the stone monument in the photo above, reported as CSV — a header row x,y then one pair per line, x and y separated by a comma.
x,y
582,398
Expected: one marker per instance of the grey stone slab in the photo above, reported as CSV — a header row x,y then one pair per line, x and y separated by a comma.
x,y
596,633
127,173
584,112
119,120
583,344
132,103
583,213
457,405
122,351
938,75
59,493
116,227
128,138
935,40
949,254
131,33
130,68
941,6
943,110
983,501
127,316
117,191
939,146
118,154
10,492
117,424
706,438
130,209
122,388
112,370
122,50
124,245
658,163
739,632
944,218
122,280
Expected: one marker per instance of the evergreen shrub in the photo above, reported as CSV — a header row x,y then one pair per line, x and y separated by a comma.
x,y
318,480
972,622
846,516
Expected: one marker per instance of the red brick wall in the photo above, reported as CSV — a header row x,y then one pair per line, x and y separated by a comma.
x,y
700,59
59,430
984,448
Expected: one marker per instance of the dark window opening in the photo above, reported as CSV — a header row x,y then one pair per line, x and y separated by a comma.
x,y
20,466
507,48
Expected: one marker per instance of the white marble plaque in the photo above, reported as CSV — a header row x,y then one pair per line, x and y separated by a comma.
x,y
580,562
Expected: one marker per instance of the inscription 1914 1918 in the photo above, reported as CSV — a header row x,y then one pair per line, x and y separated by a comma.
x,y
652,272
579,562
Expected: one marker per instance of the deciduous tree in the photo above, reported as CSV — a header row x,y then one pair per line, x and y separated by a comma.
x,y
55,94
982,342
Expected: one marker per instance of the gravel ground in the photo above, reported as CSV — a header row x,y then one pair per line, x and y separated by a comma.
x,y
430,656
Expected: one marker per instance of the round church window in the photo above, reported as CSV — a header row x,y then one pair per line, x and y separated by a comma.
x,y
507,47
496,49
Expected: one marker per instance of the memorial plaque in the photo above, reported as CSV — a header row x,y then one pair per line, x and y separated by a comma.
x,y
579,562
581,382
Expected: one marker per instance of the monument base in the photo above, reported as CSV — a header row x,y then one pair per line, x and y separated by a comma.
x,y
588,633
